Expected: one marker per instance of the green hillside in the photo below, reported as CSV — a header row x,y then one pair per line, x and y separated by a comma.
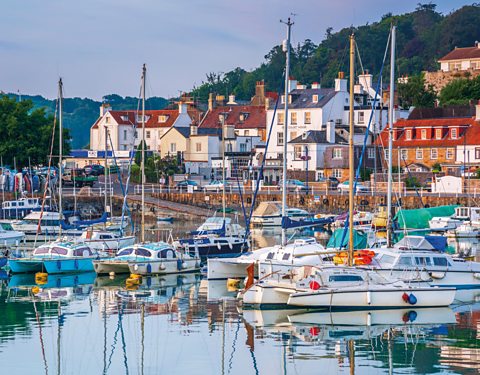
x,y
423,36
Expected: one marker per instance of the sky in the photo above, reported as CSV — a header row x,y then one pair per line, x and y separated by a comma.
x,y
98,46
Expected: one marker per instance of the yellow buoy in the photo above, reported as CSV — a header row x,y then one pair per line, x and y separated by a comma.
x,y
41,278
233,284
135,276
35,289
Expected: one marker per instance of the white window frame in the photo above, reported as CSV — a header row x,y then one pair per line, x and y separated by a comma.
x,y
408,135
423,134
371,153
419,154
280,118
297,152
198,146
434,153
173,147
307,117
450,153
293,118
280,139
438,133
147,134
315,98
453,133
403,154
337,153
337,173
361,117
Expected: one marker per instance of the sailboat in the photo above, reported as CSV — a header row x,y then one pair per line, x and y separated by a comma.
x,y
147,258
58,256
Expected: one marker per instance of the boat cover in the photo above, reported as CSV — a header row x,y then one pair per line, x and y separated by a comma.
x,y
419,218
359,239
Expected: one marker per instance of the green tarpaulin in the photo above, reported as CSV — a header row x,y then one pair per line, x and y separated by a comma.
x,y
359,239
419,218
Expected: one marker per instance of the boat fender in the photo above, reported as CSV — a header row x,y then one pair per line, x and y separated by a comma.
x,y
75,264
369,297
325,201
59,264
314,285
59,282
162,266
314,331
219,247
476,275
230,245
412,315
412,300
149,282
149,268
369,319
35,290
405,297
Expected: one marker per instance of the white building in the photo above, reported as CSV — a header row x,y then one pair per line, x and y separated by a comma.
x,y
125,127
467,58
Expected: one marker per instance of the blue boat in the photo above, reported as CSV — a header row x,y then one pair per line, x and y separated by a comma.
x,y
56,257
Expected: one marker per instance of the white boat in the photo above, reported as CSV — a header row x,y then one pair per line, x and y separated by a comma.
x,y
346,288
461,216
360,219
17,209
465,230
105,240
9,236
413,259
50,222
441,223
269,214
304,251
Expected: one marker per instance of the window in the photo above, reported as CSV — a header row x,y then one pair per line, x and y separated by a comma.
x,y
280,119
286,256
422,261
424,133
107,120
450,152
348,278
419,154
162,118
315,98
229,147
361,117
409,135
337,153
293,118
453,133
297,152
270,256
386,154
143,252
198,147
477,153
434,153
135,135
282,99
243,147
58,250
337,173
387,259
173,147
124,135
371,153
403,154
289,99
441,262
280,139
405,261
148,134
125,252
307,118
246,133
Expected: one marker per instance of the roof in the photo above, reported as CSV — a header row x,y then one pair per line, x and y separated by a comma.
x,y
317,136
464,53
186,131
153,117
303,98
241,116
469,132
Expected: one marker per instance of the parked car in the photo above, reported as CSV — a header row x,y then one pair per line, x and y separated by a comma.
x,y
94,169
294,185
214,185
332,182
344,187
183,185
78,178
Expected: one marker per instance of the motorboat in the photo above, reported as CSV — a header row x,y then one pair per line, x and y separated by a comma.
x,y
9,236
17,209
269,214
355,289
442,223
461,216
465,230
105,240
415,259
302,251
360,219
145,254
56,257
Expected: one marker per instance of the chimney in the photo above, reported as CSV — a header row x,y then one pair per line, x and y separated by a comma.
x,y
182,107
260,89
341,83
231,100
477,111
104,108
365,80
330,130
211,102
220,99
292,84
193,129
316,85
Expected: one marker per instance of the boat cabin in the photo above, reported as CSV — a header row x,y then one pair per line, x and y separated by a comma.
x,y
467,213
160,250
64,250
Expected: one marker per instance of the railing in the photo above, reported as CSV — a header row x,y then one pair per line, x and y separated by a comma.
x,y
87,191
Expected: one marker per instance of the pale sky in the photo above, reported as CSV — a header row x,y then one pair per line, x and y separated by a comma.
x,y
99,46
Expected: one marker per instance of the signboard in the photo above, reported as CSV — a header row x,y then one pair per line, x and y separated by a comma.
x,y
190,189
316,199
92,154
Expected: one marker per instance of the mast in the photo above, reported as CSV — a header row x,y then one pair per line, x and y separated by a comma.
x,y
105,175
223,165
350,153
285,133
144,74
390,137
60,151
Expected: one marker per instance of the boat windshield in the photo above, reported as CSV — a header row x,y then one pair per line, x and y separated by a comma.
x,y
343,278
126,251
41,250
82,252
143,252
166,254
6,226
58,250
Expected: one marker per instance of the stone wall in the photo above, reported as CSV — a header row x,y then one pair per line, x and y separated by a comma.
x,y
440,78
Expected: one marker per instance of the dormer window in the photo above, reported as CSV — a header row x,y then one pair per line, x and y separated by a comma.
x,y
222,117
124,118
438,133
315,98
162,118
408,135
453,133
423,134
139,118
282,99
107,120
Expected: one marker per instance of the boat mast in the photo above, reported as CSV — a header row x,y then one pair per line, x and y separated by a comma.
x,y
285,133
223,165
391,120
144,74
105,175
60,151
350,152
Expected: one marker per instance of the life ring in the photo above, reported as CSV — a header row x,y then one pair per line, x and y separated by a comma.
x,y
364,202
426,206
325,201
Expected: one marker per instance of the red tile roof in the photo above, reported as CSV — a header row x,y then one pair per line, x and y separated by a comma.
x,y
462,54
130,117
472,133
254,117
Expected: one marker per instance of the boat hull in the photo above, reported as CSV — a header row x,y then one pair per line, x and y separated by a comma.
x,y
68,265
264,295
164,267
20,265
223,269
440,278
108,266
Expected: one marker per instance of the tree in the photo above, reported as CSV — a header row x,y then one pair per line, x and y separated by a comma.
x,y
26,134
460,91
138,153
415,93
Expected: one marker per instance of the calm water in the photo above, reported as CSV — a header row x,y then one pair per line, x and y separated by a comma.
x,y
184,325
